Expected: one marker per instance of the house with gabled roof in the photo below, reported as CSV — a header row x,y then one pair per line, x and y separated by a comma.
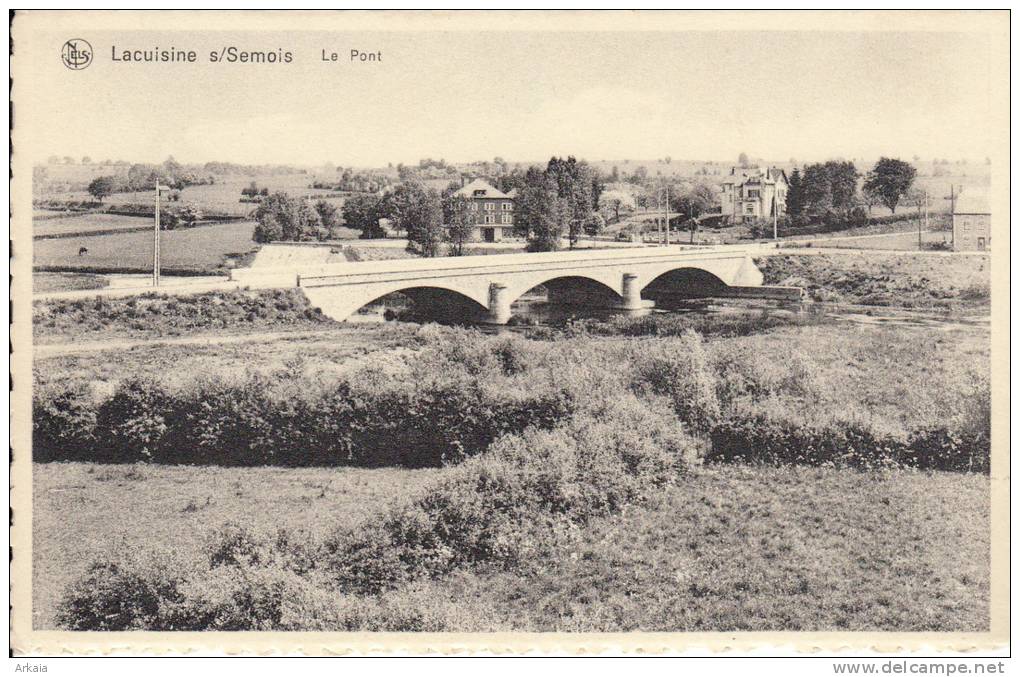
x,y
753,193
492,210
972,221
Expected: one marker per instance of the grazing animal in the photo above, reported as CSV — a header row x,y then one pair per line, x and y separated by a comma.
x,y
82,251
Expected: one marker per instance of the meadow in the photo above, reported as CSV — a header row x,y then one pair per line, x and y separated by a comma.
x,y
86,223
725,548
222,196
568,522
200,250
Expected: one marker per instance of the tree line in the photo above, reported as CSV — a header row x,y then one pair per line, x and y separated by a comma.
x,y
827,192
558,201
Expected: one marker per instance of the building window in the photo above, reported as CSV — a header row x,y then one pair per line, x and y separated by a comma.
x,y
749,209
489,206
507,218
508,206
479,193
966,224
753,193
490,219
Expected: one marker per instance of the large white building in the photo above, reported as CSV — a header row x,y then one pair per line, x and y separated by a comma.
x,y
753,193
491,208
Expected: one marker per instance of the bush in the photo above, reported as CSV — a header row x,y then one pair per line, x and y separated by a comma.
x,y
64,424
680,371
496,509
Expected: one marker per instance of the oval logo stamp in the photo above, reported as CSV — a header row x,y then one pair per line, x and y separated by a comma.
x,y
76,54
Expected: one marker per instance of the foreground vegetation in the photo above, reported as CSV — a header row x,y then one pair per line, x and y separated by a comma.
x,y
152,314
727,548
757,398
657,473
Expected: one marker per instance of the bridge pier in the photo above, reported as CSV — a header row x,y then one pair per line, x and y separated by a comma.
x,y
499,304
632,294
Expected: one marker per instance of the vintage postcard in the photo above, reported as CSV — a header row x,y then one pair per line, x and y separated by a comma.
x,y
509,331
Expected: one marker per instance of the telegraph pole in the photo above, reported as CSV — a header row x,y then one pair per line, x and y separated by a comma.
x,y
155,237
775,217
952,210
155,241
667,214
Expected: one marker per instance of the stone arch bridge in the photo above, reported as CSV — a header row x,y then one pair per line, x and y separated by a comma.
x,y
486,286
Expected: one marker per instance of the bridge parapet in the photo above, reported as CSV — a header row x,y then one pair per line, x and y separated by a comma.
x,y
494,282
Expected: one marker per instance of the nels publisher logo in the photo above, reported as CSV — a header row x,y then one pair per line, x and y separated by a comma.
x,y
76,54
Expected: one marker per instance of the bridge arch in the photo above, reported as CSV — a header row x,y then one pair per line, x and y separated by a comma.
x,y
571,287
690,281
432,301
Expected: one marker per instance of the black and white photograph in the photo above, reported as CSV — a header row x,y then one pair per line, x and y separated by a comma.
x,y
495,328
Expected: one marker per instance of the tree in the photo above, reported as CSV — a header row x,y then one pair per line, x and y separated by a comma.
x,y
617,199
101,187
328,216
692,202
890,179
419,212
268,229
189,215
640,175
460,225
285,217
540,213
86,160
795,194
827,188
362,212
594,226
743,161
580,186
870,197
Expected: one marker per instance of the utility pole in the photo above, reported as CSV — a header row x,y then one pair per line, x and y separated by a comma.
x,y
952,210
155,237
775,217
155,241
667,214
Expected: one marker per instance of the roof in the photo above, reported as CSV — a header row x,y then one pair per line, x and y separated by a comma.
x,y
754,173
972,201
478,184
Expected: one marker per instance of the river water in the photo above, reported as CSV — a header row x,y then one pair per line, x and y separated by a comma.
x,y
534,310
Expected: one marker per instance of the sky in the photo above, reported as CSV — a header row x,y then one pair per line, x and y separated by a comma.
x,y
524,96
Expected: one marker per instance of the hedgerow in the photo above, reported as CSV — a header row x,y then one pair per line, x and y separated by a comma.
x,y
497,509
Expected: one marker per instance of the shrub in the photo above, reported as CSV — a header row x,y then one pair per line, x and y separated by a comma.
x,y
680,371
121,595
761,438
63,424
131,426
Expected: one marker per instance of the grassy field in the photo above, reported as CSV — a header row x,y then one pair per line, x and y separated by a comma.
x,y
85,223
222,196
201,249
931,281
154,358
728,548
905,241
174,507
46,282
